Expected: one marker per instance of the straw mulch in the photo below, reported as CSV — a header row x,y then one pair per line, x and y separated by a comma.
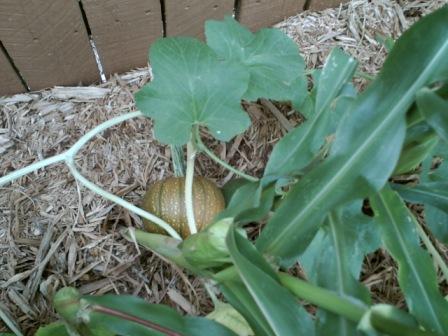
x,y
54,232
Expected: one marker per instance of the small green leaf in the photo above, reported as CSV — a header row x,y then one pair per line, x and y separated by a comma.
x,y
53,329
163,245
437,221
387,41
229,317
192,86
279,308
419,142
294,151
272,58
435,110
229,189
250,203
416,274
434,195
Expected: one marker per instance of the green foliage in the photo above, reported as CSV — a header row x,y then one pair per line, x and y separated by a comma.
x,y
318,180
272,59
296,150
334,258
433,108
356,167
416,273
193,87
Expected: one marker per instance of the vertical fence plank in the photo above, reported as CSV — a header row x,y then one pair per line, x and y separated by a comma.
x,y
318,5
187,17
123,30
256,14
47,41
9,81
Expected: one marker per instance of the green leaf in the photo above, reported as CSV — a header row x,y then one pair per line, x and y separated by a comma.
x,y
420,141
437,221
138,309
53,329
162,245
387,41
239,297
250,203
435,110
272,58
279,308
207,248
416,274
361,238
333,261
368,141
192,86
230,188
434,195
299,147
225,314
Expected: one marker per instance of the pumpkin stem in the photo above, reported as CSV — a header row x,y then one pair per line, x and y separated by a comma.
x,y
191,155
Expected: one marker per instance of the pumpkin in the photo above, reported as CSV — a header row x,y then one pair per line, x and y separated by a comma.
x,y
166,199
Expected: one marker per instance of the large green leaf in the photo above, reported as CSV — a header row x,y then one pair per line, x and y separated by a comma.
x,y
333,261
271,57
368,140
416,273
192,86
299,147
281,311
435,110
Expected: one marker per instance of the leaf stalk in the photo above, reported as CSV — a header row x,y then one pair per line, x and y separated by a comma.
x,y
202,147
69,156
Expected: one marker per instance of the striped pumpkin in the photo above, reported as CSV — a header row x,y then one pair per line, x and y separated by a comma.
x,y
166,199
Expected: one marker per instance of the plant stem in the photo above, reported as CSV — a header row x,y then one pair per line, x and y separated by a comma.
x,y
68,158
201,146
323,298
33,167
177,158
431,249
125,204
191,155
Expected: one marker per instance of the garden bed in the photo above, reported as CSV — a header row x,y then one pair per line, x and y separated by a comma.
x,y
54,232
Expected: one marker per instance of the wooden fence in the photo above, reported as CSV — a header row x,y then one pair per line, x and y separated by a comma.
x,y
49,42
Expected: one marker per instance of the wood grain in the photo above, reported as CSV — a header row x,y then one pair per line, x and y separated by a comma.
x,y
256,14
187,17
9,81
48,42
318,5
123,30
